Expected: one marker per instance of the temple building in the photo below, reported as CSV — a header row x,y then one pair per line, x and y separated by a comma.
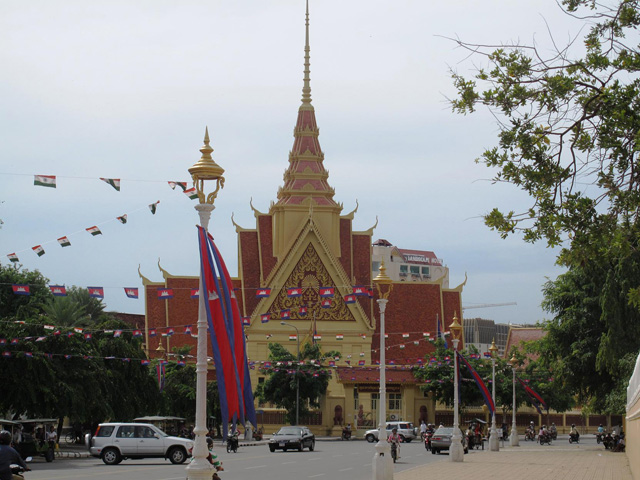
x,y
305,243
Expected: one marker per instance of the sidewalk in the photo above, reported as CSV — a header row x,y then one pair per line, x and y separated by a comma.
x,y
529,463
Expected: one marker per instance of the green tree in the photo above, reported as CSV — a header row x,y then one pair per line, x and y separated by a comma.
x,y
568,129
20,307
280,385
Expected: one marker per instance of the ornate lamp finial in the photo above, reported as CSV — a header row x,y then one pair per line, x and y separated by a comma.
x,y
513,361
383,283
493,349
206,169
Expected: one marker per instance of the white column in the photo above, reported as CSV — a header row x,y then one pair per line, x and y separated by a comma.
x,y
200,468
382,461
456,450
494,441
513,439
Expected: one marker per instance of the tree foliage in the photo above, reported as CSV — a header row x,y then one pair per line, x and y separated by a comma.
x,y
568,128
280,385
437,377
66,375
569,137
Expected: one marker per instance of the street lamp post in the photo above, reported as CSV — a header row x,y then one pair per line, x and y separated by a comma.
x,y
494,441
513,439
297,373
456,450
382,461
203,170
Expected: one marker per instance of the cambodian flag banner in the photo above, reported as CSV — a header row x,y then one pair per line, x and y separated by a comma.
x,y
227,336
536,399
483,388
294,292
326,291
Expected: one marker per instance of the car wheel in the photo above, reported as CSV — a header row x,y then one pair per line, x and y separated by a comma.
x,y
402,438
312,446
284,449
272,448
370,438
111,456
177,455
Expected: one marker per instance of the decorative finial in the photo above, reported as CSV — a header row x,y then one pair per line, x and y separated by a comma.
x,y
206,169
306,89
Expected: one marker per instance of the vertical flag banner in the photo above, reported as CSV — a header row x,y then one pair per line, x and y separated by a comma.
x,y
227,335
64,242
114,182
479,382
45,180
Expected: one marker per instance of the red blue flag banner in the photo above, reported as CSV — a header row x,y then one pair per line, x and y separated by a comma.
x,y
263,292
96,292
326,291
131,292
58,290
19,289
264,318
481,385
285,314
294,292
165,293
360,291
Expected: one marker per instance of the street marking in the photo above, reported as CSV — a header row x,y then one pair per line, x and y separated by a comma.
x,y
256,466
334,456
346,469
318,475
316,458
287,463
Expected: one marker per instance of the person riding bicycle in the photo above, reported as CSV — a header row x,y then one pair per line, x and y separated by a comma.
x,y
9,455
394,438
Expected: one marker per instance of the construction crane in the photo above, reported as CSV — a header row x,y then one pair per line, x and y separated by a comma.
x,y
488,305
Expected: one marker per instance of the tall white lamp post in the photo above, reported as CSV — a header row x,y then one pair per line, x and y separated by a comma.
x,y
494,441
513,439
203,170
382,461
297,373
456,450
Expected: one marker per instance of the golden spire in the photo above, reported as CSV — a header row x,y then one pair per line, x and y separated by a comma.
x,y
306,89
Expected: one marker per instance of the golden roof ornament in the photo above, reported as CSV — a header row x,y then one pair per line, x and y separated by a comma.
x,y
206,169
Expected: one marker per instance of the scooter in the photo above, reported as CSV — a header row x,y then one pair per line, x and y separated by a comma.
x,y
232,444
394,451
427,440
346,434
257,435
574,438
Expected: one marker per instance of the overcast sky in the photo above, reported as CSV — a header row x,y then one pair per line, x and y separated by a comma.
x,y
124,89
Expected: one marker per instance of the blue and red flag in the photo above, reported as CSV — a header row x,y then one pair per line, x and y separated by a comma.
x,y
536,399
326,291
481,385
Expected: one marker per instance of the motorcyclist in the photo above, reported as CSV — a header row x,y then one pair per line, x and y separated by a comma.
x,y
346,431
233,438
9,455
573,433
553,431
394,438
601,429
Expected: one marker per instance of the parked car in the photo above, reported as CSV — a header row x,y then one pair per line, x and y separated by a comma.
x,y
114,442
406,430
441,440
294,438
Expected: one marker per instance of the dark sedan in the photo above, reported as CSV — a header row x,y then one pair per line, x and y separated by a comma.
x,y
441,440
292,438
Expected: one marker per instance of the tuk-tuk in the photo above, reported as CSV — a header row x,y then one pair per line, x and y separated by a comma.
x,y
34,438
8,425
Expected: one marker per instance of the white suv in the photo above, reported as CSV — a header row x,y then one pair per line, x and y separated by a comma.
x,y
406,430
114,442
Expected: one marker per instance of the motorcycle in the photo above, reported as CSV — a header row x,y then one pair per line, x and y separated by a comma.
x,y
574,438
427,440
232,444
545,438
529,435
346,434
599,438
257,435
394,451
554,434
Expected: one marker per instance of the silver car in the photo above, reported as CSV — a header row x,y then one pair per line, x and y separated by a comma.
x,y
441,440
406,430
114,442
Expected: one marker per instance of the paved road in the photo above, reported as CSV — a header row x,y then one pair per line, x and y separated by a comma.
x,y
330,460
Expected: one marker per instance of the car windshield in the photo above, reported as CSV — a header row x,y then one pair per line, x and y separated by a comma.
x,y
444,431
289,431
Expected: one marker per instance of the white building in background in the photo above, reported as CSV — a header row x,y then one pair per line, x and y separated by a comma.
x,y
405,265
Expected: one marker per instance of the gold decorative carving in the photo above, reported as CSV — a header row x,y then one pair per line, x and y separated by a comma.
x,y
310,274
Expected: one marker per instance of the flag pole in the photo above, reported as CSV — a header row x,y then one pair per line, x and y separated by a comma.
x,y
205,169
